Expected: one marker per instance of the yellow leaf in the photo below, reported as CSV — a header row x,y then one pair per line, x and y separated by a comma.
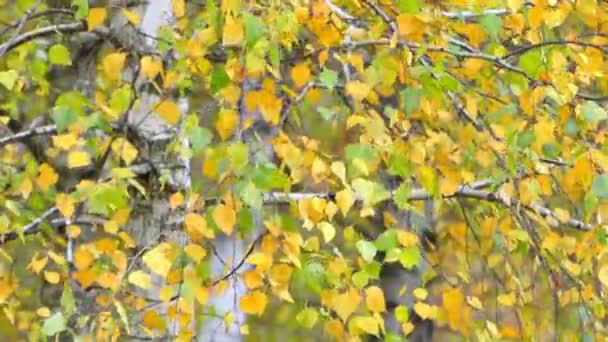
x,y
65,141
150,66
425,311
475,303
127,152
411,26
179,8
357,90
73,231
603,275
254,303
345,199
346,303
234,32
407,239
453,302
202,294
26,188
141,279
160,258
52,277
196,227
43,312
319,170
225,218
47,177
270,106
226,123
36,265
374,299
196,252
96,17
562,214
253,279
78,159
335,329
328,231
168,111
300,74
113,64
507,299
420,293
152,320
368,324
65,204
175,200
338,169
132,17
515,5
83,258
261,260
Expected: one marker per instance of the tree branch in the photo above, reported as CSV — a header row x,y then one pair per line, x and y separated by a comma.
x,y
49,129
469,15
42,32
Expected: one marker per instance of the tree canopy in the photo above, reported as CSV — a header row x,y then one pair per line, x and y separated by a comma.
x,y
337,142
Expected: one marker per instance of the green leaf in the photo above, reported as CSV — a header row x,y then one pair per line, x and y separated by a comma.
x,y
329,78
82,8
410,257
63,117
254,29
244,221
326,113
531,62
371,192
200,137
599,187
363,152
54,324
60,55
367,250
121,99
239,156
252,196
492,23
409,6
219,79
410,99
360,279
592,112
402,314
307,318
387,240
122,313
8,78
67,300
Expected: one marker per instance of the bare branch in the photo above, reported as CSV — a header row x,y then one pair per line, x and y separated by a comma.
x,y
524,49
388,20
31,227
42,130
49,12
42,32
469,15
